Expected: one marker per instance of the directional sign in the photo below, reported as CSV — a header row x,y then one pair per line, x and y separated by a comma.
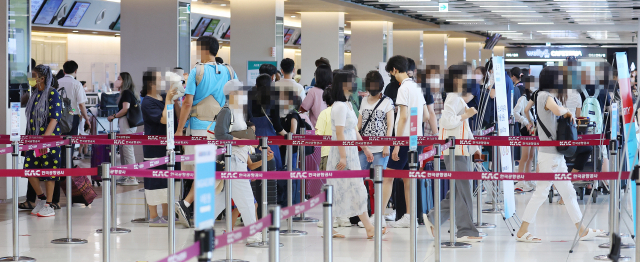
x,y
443,7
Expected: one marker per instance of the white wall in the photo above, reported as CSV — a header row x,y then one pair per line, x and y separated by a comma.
x,y
320,39
456,51
99,54
367,44
408,44
435,50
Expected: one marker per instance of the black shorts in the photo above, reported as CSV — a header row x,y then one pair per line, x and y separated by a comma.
x,y
524,132
403,163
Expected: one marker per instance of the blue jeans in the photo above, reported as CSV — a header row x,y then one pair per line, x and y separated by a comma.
x,y
377,160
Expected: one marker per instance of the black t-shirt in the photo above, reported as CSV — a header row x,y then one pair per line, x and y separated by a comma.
x,y
392,89
152,115
126,96
286,124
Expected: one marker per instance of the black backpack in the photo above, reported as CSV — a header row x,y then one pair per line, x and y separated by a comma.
x,y
66,118
566,130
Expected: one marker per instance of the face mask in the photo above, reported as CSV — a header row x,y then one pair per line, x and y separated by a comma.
x,y
32,81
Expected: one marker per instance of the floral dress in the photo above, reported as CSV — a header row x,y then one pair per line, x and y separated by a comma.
x,y
349,194
52,159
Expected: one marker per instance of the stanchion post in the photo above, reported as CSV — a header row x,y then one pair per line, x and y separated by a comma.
x,y
144,219
496,190
264,147
290,231
207,241
106,222
227,200
14,211
413,205
328,223
377,187
436,203
69,239
452,198
114,204
274,234
171,193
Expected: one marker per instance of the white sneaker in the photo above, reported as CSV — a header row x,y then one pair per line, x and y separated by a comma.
x,y
39,205
344,222
403,222
391,216
373,221
255,238
46,211
130,181
335,224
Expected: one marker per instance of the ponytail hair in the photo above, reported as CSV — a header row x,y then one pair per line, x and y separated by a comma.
x,y
147,77
326,96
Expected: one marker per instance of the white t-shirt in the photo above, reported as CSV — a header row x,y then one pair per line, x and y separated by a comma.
x,y
74,91
292,83
574,101
410,95
377,126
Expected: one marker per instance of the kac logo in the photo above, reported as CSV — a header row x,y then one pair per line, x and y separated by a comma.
x,y
565,143
417,174
489,176
562,176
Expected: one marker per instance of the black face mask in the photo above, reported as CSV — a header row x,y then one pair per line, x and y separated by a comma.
x,y
374,92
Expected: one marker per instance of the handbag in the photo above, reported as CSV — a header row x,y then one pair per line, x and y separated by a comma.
x,y
134,114
66,116
566,130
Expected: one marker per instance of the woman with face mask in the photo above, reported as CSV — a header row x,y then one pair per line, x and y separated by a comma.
x,y
127,98
43,113
455,122
350,197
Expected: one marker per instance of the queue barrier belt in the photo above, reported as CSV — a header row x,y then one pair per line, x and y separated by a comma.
x,y
245,232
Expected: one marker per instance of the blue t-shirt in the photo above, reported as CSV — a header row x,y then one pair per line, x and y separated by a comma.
x,y
212,83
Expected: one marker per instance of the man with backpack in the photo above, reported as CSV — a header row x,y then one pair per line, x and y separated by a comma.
x,y
204,97
72,92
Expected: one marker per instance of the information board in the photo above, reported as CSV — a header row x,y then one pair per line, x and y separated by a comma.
x,y
205,184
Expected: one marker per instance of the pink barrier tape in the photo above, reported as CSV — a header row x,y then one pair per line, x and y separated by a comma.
x,y
184,255
243,233
153,173
162,142
49,172
44,145
305,206
503,176
143,137
162,161
432,152
352,142
244,174
6,150
532,138
531,143
487,131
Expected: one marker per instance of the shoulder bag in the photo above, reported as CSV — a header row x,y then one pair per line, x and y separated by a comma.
x,y
371,116
134,114
566,130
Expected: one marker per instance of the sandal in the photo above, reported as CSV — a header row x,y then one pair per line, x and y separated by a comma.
x,y
384,232
528,238
591,234
336,235
26,205
428,224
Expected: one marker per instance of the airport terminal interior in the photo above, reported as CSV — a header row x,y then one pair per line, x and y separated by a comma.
x,y
185,141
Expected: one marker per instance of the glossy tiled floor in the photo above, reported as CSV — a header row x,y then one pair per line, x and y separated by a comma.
x,y
150,244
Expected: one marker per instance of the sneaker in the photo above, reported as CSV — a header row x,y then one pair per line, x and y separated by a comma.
x,y
121,180
343,222
130,181
255,238
46,211
373,220
183,213
239,222
335,223
403,222
391,217
166,218
158,222
39,205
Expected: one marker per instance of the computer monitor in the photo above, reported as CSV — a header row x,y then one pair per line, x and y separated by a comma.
x,y
227,34
211,29
77,11
492,41
299,40
287,34
47,12
115,25
346,38
200,27
35,7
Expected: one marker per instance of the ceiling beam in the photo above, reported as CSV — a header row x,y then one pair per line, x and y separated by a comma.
x,y
577,27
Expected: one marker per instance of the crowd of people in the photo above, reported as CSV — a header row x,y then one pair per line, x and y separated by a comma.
x,y
210,101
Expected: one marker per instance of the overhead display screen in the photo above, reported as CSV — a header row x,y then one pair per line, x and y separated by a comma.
x,y
201,26
287,34
47,12
211,28
116,26
299,40
75,15
227,35
35,7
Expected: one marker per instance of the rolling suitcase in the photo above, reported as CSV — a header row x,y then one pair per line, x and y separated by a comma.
x,y
81,190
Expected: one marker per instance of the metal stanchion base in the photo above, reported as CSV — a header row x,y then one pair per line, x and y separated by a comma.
x,y
485,225
140,220
622,245
292,233
606,258
23,259
606,234
455,245
116,230
261,244
305,220
230,260
492,211
69,241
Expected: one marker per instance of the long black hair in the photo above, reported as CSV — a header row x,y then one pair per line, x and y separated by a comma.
x,y
337,89
148,77
324,76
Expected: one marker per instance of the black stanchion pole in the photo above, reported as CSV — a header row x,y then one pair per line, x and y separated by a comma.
x,y
207,241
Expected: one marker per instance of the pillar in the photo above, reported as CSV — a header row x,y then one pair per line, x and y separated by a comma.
x,y
498,51
371,43
408,44
485,54
435,50
323,36
456,50
5,124
473,53
257,28
148,36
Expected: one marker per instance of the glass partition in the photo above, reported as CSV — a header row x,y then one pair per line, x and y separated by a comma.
x,y
19,30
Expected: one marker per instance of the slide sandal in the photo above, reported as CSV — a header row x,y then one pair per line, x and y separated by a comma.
x,y
592,234
528,238
468,239
26,205
384,232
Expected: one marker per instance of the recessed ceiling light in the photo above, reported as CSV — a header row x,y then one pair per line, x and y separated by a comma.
x,y
293,16
438,12
497,6
223,4
94,32
75,31
117,34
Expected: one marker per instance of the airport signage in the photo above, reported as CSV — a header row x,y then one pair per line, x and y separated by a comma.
x,y
555,53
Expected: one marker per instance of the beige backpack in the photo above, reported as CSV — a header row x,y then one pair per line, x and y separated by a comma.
x,y
208,108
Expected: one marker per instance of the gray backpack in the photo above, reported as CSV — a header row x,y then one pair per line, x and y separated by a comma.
x,y
66,117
